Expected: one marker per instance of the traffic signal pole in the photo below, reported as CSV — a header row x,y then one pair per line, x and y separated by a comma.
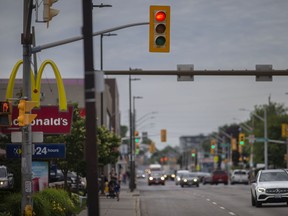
x,y
26,162
91,148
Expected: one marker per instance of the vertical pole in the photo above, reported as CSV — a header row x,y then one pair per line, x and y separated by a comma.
x,y
266,140
131,183
101,68
91,148
26,161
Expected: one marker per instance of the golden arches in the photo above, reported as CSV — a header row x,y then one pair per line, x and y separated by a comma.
x,y
36,86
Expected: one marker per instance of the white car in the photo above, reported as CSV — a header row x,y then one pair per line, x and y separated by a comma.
x,y
239,177
270,186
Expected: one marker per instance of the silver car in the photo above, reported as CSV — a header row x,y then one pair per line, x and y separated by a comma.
x,y
270,186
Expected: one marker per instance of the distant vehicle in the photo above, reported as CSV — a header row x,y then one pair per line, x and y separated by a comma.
x,y
216,177
239,177
155,167
169,175
140,174
6,178
270,186
201,175
189,179
179,174
156,178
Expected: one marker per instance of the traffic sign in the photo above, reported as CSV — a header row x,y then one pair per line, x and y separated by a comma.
x,y
40,151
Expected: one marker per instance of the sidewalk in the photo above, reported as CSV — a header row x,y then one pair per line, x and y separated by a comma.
x,y
128,205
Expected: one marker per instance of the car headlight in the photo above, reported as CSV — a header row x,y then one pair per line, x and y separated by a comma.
x,y
150,178
185,180
162,178
261,190
178,178
173,176
195,180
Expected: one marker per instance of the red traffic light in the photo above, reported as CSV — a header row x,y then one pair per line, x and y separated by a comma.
x,y
160,16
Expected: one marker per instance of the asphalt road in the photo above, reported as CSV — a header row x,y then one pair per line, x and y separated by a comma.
x,y
207,200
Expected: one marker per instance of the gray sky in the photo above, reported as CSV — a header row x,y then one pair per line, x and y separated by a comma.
x,y
222,34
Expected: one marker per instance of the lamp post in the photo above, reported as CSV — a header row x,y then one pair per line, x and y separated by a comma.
x,y
132,158
264,119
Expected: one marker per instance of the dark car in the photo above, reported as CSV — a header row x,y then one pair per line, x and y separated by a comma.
x,y
6,178
156,178
189,179
219,176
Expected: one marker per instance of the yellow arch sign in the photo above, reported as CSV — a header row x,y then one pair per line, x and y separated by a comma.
x,y
36,86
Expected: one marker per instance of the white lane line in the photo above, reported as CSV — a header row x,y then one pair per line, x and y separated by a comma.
x,y
214,203
222,207
232,213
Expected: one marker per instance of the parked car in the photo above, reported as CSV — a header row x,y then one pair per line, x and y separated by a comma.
x,y
216,177
239,177
6,178
76,182
178,176
156,178
270,186
189,179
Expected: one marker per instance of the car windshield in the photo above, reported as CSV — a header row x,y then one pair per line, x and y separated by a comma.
x,y
273,176
2,172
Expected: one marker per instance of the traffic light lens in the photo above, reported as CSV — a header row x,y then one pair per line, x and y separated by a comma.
x,y
160,16
160,29
160,41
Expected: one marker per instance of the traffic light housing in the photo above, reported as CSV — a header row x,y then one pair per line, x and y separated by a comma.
x,y
5,114
136,137
24,116
48,12
159,31
241,138
163,134
213,144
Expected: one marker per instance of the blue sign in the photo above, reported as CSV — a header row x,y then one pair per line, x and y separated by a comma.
x,y
40,151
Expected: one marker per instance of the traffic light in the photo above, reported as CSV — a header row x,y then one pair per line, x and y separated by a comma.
x,y
48,12
136,137
24,117
159,31
193,153
213,143
163,134
241,138
5,114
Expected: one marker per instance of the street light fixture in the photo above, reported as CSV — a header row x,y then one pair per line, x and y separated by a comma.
x,y
264,119
132,158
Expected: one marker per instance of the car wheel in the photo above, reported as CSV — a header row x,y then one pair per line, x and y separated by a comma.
x,y
197,185
182,186
252,200
258,203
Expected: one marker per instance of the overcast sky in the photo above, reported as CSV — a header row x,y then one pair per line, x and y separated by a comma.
x,y
222,34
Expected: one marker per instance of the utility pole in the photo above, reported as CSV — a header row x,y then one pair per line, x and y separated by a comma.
x,y
91,148
26,162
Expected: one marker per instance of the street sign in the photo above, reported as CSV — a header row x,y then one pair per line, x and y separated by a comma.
x,y
40,151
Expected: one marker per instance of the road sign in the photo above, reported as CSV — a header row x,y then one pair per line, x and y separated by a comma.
x,y
40,151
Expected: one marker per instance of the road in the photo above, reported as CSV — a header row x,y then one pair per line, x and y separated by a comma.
x,y
207,200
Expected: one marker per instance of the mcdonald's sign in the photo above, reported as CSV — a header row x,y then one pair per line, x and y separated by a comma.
x,y
36,84
50,119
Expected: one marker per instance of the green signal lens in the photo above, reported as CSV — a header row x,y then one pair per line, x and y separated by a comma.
x,y
160,41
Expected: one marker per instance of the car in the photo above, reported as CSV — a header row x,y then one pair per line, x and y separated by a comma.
x,y
75,184
207,179
216,177
270,186
239,177
189,179
178,176
6,178
156,178
201,175
140,174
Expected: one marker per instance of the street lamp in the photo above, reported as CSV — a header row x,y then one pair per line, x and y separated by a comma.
x,y
264,119
132,158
